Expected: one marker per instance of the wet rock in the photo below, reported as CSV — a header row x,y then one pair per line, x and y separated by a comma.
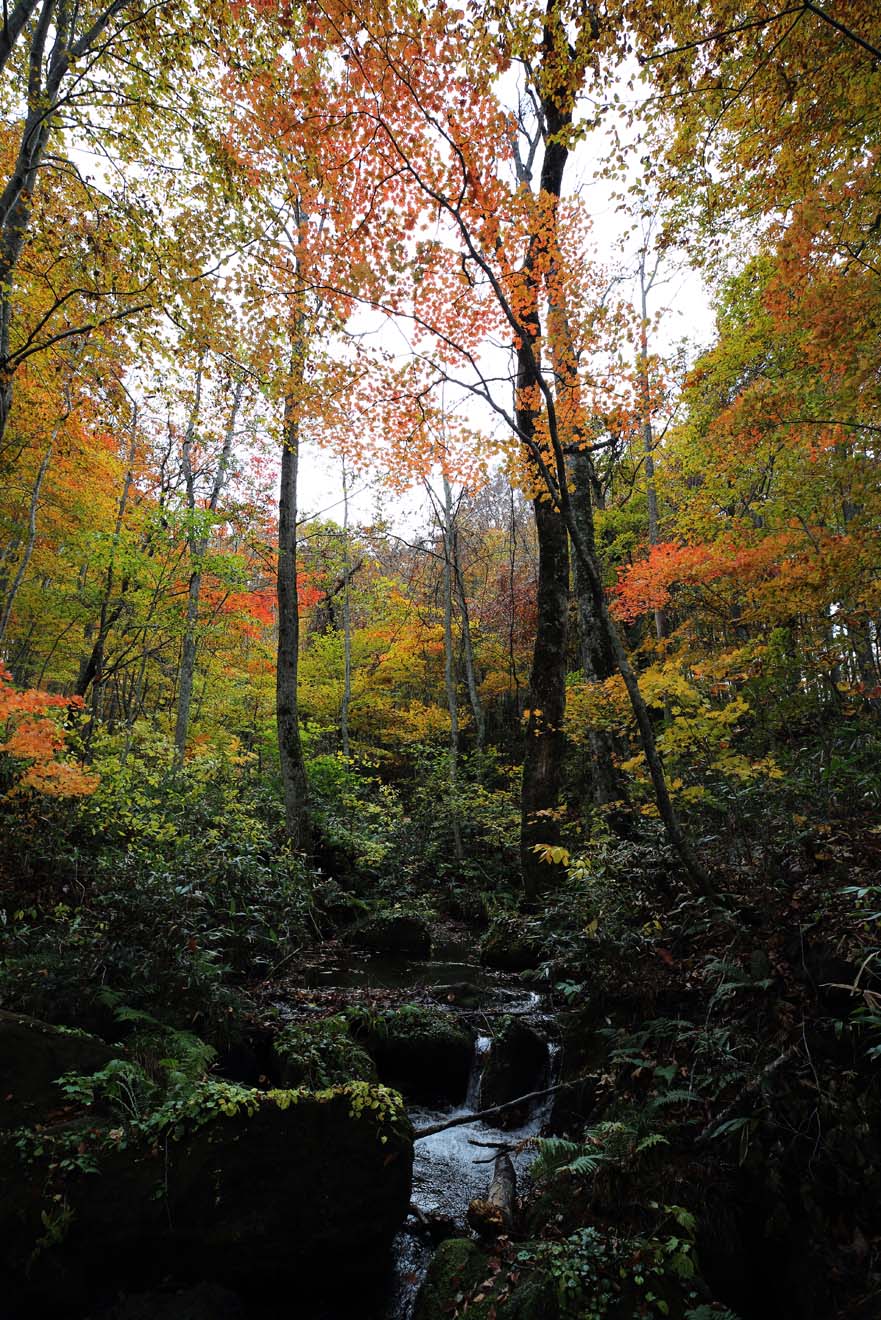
x,y
33,1055
259,1192
320,1054
511,945
393,932
422,1052
516,1064
461,1269
462,993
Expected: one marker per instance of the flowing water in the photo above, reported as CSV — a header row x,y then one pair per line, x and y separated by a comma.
x,y
454,1166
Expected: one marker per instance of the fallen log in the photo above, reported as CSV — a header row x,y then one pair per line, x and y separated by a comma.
x,y
461,1119
493,1214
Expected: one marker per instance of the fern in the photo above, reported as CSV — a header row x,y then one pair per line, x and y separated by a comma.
x,y
648,1143
556,1155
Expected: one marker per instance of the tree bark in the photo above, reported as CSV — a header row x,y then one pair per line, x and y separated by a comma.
x,y
290,750
648,437
595,653
545,741
468,651
450,676
347,621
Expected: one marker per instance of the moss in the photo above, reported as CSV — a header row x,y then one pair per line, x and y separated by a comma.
x,y
405,933
463,1279
321,1054
423,1052
225,1182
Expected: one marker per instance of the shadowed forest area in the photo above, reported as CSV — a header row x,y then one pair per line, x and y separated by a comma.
x,y
440,681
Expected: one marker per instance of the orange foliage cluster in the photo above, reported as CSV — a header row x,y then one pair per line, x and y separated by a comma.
x,y
33,738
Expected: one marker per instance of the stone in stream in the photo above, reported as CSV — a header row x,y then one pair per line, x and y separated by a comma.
x,y
422,1052
460,1269
516,1064
255,1191
511,945
393,932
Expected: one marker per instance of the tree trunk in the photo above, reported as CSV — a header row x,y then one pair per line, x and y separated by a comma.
x,y
290,751
347,621
92,666
468,652
449,674
648,437
595,653
545,742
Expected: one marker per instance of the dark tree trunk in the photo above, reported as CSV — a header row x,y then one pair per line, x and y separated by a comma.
x,y
290,751
545,742
595,652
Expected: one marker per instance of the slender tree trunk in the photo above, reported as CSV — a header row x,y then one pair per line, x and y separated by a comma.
x,y
91,667
449,673
648,437
347,621
290,750
468,651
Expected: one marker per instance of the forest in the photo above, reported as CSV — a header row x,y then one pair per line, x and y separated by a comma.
x,y
440,659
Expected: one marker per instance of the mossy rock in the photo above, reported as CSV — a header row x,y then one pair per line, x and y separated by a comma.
x,y
255,1191
516,1064
460,1269
511,945
422,1052
321,1054
402,933
33,1055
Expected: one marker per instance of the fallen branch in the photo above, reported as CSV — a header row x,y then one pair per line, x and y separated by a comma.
x,y
462,1119
494,1214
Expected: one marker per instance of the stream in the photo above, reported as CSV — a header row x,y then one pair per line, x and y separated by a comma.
x,y
451,1167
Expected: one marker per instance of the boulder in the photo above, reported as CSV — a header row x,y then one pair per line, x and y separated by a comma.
x,y
393,932
511,945
516,1064
422,1052
461,1270
260,1192
33,1055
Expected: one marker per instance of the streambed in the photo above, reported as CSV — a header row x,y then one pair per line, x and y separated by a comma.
x,y
453,1166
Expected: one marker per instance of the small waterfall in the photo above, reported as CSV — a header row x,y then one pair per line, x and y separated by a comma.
x,y
481,1049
